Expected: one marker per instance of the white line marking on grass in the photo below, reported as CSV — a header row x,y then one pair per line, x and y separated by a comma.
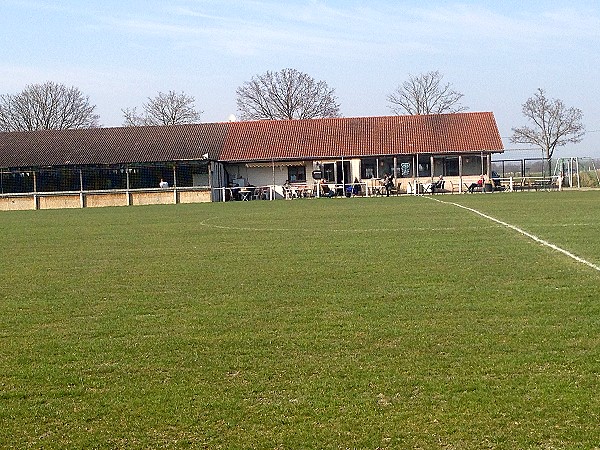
x,y
523,232
205,223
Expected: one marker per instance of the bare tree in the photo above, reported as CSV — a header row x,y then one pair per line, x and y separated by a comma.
x,y
288,94
164,109
554,124
46,106
425,94
131,118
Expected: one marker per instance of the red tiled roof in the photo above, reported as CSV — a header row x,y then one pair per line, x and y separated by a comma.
x,y
254,141
111,145
367,136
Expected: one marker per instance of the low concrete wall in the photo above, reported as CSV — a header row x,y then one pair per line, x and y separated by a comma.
x,y
59,201
193,196
153,198
17,203
97,199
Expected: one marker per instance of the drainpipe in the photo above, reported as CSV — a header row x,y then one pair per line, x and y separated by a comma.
x,y
432,168
81,196
36,204
272,190
416,175
460,173
174,184
127,187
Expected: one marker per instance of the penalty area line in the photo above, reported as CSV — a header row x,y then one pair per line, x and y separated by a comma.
x,y
533,237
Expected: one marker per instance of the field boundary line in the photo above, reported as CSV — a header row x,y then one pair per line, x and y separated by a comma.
x,y
205,223
523,232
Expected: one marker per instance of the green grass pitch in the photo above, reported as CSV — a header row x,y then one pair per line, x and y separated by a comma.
x,y
321,323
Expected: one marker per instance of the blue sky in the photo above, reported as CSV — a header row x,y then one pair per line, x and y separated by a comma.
x,y
497,53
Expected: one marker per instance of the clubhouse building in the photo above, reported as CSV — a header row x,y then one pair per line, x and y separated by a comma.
x,y
218,161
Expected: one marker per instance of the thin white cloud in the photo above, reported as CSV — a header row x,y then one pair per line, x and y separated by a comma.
x,y
314,27
572,23
263,27
460,20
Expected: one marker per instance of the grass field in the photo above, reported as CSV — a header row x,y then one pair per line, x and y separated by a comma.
x,y
326,323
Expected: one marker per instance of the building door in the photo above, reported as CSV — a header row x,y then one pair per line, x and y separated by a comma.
x,y
343,172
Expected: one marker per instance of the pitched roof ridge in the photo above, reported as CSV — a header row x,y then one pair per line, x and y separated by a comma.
x,y
247,123
339,119
112,128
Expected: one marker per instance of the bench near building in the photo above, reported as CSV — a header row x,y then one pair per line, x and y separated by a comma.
x,y
217,161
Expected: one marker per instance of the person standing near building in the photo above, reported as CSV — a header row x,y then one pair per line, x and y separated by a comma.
x,y
388,183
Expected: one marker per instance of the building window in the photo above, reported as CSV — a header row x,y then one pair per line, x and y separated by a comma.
x,y
451,166
386,166
446,166
368,168
424,169
329,172
472,165
296,174
404,169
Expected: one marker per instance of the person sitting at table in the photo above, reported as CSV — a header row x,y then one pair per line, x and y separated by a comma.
x,y
260,193
289,191
325,190
496,182
474,186
438,185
